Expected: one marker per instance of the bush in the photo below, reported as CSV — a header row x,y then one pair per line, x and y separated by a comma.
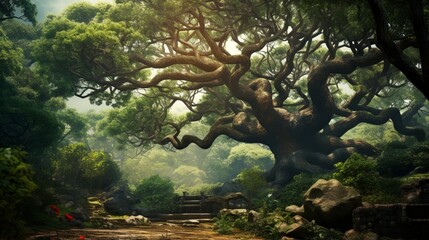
x,y
77,166
361,173
99,171
253,181
206,188
16,185
293,193
156,194
223,224
395,160
420,154
358,172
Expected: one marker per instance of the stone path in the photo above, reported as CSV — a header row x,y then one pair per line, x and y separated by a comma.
x,y
156,231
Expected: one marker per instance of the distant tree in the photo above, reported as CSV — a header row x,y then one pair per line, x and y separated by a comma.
x,y
245,156
188,176
156,194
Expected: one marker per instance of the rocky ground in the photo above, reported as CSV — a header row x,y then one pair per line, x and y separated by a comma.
x,y
154,231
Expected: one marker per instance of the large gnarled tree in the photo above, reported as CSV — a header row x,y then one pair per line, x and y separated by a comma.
x,y
259,71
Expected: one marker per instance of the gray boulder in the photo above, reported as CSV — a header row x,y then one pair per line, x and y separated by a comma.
x,y
117,200
331,204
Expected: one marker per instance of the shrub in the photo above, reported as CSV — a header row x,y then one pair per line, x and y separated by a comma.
x,y
420,154
253,181
358,172
156,194
293,193
16,185
223,224
77,166
395,160
99,171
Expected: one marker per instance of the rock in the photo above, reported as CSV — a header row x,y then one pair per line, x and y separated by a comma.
x,y
80,214
297,230
352,235
295,209
69,204
331,204
235,213
253,216
191,223
118,200
138,220
299,219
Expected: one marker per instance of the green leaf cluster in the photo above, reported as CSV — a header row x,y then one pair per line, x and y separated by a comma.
x,y
361,173
77,166
16,184
358,172
253,181
156,194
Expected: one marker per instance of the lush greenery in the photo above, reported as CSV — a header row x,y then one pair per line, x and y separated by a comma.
x,y
361,173
77,166
266,94
156,194
16,185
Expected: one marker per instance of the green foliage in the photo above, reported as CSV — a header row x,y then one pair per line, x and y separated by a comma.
x,y
267,224
77,166
395,160
223,224
253,181
136,121
316,232
293,193
83,12
10,57
361,173
358,172
419,154
156,194
399,158
244,156
99,170
15,185
186,175
206,188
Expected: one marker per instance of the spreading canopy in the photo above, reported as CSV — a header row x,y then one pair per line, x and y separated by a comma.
x,y
270,72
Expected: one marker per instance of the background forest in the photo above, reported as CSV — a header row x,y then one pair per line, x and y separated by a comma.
x,y
48,149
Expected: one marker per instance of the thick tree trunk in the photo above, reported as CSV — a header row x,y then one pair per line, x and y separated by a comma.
x,y
313,156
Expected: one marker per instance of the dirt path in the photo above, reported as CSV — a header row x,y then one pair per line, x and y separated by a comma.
x,y
155,231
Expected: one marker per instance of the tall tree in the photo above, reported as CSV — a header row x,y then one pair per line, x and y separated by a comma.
x,y
257,71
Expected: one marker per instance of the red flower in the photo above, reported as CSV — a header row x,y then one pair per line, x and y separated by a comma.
x,y
55,209
81,237
68,217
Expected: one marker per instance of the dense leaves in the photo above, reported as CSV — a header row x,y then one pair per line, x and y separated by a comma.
x,y
77,166
16,184
156,194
